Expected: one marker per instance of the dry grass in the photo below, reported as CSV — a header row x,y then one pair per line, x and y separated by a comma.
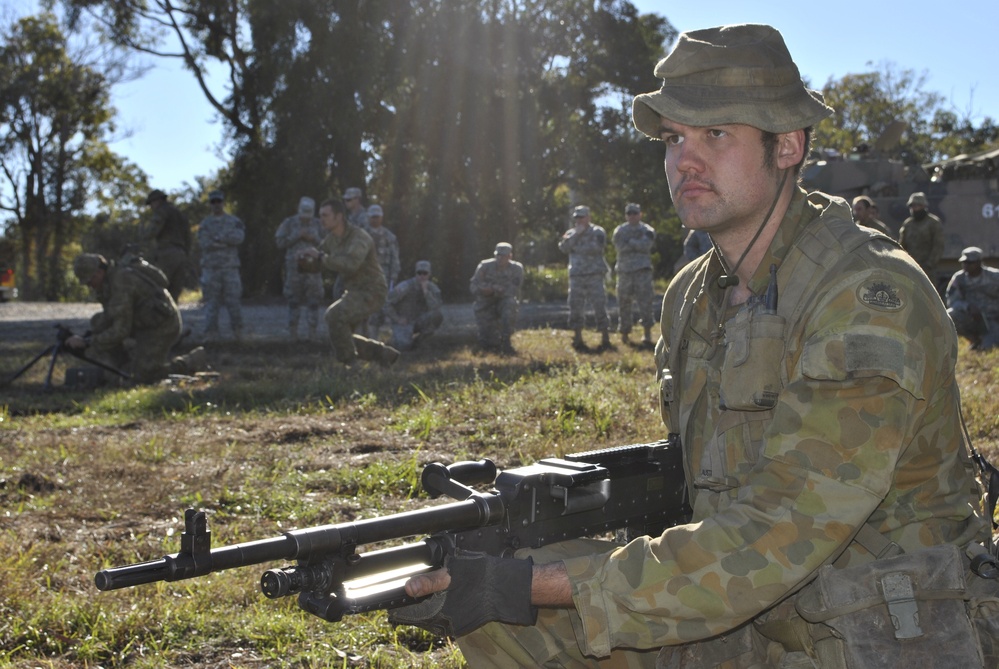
x,y
282,438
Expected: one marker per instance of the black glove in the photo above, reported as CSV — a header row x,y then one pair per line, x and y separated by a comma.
x,y
483,589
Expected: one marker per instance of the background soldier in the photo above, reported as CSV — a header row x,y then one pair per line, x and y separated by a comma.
x,y
821,431
922,236
633,241
349,251
584,243
357,215
496,288
169,241
414,307
387,249
139,323
303,280
864,214
973,300
219,237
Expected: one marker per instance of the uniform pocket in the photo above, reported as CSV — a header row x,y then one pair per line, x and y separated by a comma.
x,y
754,349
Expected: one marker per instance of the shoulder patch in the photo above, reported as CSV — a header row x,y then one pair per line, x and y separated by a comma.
x,y
880,295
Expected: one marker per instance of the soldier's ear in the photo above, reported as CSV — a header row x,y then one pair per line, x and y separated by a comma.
x,y
790,148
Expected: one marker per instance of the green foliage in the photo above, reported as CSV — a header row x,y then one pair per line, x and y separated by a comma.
x,y
545,283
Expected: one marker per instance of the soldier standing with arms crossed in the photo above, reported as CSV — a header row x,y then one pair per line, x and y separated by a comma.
x,y
633,241
584,243
820,426
220,236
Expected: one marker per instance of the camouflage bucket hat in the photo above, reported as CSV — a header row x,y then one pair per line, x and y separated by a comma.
x,y
917,199
86,265
731,74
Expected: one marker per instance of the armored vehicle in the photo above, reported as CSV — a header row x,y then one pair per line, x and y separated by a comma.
x,y
962,191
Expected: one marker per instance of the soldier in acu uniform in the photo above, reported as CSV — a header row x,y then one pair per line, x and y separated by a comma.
x,y
496,288
387,249
584,243
303,282
414,308
220,236
973,300
633,241
169,238
807,366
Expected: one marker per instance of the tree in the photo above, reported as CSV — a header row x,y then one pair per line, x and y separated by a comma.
x,y
867,103
471,120
55,117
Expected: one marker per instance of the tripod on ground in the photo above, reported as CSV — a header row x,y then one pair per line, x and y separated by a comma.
x,y
63,333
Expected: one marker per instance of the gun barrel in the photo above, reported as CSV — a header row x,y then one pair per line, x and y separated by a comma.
x,y
196,559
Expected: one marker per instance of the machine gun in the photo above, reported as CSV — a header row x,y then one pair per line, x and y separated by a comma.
x,y
62,334
639,488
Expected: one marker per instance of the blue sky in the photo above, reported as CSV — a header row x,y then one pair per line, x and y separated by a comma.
x,y
175,137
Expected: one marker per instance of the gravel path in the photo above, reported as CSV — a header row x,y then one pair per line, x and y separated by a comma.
x,y
35,321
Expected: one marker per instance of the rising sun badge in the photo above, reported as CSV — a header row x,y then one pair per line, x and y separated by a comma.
x,y
880,295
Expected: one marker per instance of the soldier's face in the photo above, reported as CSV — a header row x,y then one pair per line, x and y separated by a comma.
x,y
861,212
218,206
718,177
375,221
332,221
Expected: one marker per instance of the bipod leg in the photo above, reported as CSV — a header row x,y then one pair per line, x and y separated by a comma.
x,y
48,377
102,365
30,364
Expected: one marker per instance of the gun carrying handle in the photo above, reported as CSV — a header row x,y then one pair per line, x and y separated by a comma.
x,y
453,480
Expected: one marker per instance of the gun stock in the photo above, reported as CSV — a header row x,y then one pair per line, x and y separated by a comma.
x,y
639,488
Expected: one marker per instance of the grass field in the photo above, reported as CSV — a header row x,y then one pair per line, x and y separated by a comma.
x,y
282,438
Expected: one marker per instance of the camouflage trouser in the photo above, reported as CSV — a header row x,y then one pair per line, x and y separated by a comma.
x,y
302,288
222,287
634,287
982,331
588,288
343,317
425,325
173,262
143,354
496,320
551,642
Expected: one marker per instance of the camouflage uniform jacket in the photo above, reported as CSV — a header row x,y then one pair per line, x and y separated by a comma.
x,y
981,291
924,241
634,246
387,248
841,410
359,218
407,301
219,238
353,257
585,250
505,281
169,228
133,302
291,236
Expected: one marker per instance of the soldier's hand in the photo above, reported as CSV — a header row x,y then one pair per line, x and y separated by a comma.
x,y
76,342
472,590
487,291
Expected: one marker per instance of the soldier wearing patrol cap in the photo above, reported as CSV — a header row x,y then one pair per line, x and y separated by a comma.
x,y
973,300
495,287
807,366
357,215
220,235
633,240
414,308
922,235
303,279
584,243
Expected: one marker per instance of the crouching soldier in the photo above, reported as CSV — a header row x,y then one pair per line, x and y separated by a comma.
x,y
414,307
139,322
